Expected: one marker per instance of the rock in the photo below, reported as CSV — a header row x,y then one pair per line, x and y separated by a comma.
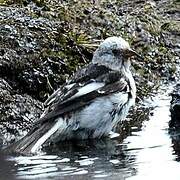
x,y
175,108
17,113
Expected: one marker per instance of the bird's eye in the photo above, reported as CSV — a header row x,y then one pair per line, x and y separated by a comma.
x,y
115,51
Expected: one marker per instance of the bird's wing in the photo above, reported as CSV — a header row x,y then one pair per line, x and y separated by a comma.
x,y
83,90
81,82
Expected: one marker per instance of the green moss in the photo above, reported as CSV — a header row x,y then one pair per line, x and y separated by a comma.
x,y
172,69
20,2
2,2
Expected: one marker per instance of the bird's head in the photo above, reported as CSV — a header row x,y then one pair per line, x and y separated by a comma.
x,y
114,52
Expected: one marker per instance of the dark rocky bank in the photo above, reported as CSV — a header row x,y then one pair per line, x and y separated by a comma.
x,y
43,43
175,108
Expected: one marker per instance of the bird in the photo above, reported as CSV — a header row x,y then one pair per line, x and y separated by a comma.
x,y
90,104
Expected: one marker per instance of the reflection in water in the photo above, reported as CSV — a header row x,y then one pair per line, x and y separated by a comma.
x,y
147,153
6,168
95,159
156,159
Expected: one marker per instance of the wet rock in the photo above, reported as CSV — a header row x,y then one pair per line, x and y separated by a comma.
x,y
17,113
35,59
175,108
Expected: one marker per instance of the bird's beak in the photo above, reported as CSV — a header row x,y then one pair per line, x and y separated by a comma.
x,y
131,52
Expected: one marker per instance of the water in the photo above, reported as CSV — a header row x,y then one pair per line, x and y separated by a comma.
x,y
153,146
147,153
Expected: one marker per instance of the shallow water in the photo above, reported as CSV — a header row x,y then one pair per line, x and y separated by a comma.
x,y
148,153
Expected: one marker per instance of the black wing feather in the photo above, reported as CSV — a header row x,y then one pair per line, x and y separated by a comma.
x,y
80,78
92,71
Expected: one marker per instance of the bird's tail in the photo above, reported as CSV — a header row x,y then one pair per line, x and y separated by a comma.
x,y
33,141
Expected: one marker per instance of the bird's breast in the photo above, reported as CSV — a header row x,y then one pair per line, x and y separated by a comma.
x,y
119,98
